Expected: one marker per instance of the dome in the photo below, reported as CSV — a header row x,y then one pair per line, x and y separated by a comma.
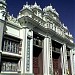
x,y
26,6
48,8
36,6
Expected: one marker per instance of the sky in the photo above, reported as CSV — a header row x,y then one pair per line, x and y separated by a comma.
x,y
65,8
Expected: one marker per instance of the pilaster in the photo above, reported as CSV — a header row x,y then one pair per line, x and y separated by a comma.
x,y
48,65
62,60
72,61
65,62
1,37
27,51
1,33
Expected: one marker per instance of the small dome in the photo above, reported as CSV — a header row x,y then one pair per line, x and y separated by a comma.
x,y
36,6
26,6
48,8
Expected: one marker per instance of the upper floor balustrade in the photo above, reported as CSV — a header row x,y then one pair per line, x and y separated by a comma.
x,y
11,46
48,18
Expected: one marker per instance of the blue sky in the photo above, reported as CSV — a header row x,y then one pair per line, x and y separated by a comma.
x,y
65,8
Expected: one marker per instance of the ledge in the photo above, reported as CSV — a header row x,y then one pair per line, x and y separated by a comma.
x,y
11,54
16,73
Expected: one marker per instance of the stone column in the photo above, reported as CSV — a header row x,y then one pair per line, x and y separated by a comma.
x,y
45,58
62,60
27,51
65,62
72,61
23,34
47,63
1,37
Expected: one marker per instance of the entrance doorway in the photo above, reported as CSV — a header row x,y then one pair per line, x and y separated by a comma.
x,y
56,64
56,55
37,61
37,55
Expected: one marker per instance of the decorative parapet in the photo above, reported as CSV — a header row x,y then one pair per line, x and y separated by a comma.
x,y
45,17
13,20
37,10
26,6
50,9
36,6
69,37
25,11
67,34
30,10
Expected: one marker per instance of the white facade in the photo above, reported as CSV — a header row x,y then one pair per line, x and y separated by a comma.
x,y
18,42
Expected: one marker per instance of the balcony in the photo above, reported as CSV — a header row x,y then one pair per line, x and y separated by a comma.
x,y
11,46
10,67
54,28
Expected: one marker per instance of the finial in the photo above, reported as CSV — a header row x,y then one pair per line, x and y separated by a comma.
x,y
12,15
50,4
26,3
63,24
35,3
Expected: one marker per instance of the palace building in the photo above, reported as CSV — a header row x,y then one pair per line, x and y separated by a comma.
x,y
34,43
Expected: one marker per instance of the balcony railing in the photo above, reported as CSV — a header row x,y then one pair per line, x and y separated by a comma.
x,y
9,67
11,46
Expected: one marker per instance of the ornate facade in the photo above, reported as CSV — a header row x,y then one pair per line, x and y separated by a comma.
x,y
34,43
